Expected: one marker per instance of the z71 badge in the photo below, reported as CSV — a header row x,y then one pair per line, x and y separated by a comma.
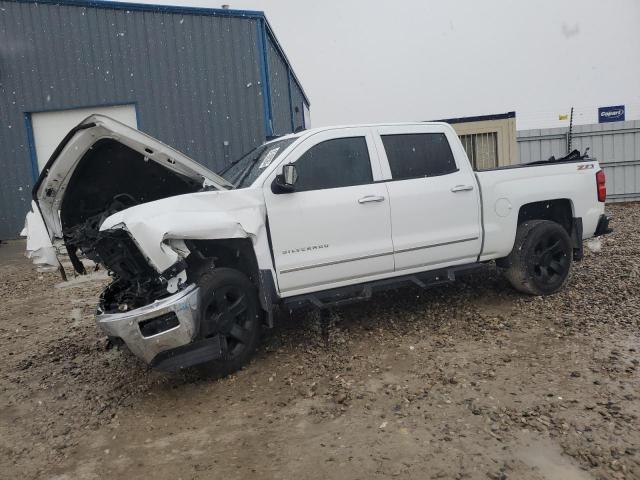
x,y
587,166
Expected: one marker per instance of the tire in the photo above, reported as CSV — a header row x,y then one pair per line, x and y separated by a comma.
x,y
229,308
540,261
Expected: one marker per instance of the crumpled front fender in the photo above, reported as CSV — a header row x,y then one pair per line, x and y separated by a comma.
x,y
197,216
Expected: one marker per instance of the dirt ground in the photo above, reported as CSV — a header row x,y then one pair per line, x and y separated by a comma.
x,y
470,380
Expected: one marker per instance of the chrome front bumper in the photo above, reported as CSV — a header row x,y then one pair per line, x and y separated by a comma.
x,y
125,325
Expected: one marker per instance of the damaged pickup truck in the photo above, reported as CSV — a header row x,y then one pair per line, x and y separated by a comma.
x,y
199,261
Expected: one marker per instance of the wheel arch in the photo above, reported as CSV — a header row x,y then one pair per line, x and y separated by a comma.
x,y
561,211
239,254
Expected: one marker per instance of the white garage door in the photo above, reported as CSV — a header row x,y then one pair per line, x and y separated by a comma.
x,y
49,128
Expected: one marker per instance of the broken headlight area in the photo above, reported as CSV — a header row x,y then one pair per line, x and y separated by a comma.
x,y
123,295
131,292
135,282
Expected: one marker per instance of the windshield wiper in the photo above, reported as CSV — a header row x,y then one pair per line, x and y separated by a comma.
x,y
246,172
236,162
232,164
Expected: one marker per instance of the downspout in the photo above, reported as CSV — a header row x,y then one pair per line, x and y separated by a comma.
x,y
264,77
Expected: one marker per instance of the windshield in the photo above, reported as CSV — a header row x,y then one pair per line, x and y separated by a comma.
x,y
244,171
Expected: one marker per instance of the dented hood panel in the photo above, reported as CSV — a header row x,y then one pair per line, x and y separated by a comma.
x,y
50,187
196,216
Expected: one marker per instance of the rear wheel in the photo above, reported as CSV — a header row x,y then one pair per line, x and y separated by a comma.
x,y
540,261
230,309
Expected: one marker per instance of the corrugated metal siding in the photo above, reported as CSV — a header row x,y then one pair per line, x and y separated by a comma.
x,y
279,84
298,102
615,145
536,145
195,80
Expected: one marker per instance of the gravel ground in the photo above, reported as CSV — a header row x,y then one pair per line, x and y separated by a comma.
x,y
470,380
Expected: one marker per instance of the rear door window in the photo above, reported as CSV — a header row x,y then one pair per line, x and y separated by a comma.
x,y
417,155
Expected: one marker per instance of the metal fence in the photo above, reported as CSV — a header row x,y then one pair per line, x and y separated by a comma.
x,y
615,145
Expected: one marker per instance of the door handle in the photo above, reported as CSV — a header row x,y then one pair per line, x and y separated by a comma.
x,y
371,198
461,188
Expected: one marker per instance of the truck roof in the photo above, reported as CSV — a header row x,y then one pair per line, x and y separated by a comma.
x,y
315,130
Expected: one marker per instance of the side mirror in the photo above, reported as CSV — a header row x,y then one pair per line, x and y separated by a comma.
x,y
285,182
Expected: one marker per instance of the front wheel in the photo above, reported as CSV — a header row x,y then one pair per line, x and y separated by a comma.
x,y
540,261
230,308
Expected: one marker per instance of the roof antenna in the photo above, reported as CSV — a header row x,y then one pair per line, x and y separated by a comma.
x,y
225,6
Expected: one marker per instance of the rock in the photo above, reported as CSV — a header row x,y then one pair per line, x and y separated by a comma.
x,y
340,397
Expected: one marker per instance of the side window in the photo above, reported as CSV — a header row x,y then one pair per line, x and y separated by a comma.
x,y
341,162
417,155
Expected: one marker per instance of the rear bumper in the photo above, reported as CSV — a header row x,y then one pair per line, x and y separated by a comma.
x,y
182,306
603,226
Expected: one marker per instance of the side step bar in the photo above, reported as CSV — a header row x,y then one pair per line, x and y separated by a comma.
x,y
356,293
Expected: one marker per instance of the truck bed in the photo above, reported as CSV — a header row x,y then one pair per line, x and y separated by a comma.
x,y
504,190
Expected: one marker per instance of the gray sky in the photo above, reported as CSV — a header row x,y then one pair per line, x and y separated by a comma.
x,y
365,61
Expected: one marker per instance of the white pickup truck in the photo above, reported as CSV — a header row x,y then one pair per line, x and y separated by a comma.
x,y
199,261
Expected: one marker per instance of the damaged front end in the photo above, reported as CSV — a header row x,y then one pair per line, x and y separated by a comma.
x,y
135,283
111,178
104,169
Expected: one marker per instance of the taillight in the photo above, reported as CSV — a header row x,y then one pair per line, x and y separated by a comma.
x,y
601,185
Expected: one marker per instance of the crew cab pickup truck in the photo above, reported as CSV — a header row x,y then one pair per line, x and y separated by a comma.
x,y
199,260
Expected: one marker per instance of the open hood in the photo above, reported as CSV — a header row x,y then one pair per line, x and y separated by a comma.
x,y
103,164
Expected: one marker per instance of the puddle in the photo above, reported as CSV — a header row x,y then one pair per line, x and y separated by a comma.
x,y
546,458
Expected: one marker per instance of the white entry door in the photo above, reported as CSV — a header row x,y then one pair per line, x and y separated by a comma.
x,y
49,128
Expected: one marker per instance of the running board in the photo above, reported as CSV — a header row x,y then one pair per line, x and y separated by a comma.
x,y
337,297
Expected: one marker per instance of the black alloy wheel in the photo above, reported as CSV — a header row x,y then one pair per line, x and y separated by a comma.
x,y
227,312
540,260
550,260
231,309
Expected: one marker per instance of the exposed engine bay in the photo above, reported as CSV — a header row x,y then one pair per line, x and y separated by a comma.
x,y
109,178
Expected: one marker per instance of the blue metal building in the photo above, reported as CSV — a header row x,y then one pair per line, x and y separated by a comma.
x,y
212,83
